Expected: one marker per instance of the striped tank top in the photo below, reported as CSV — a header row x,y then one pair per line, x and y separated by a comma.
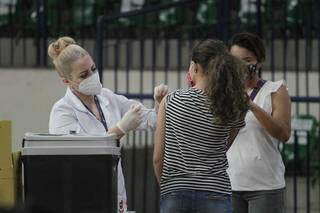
x,y
195,147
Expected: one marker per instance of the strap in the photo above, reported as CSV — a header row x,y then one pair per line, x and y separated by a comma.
x,y
103,120
257,88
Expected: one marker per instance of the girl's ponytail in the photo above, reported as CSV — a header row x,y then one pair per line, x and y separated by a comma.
x,y
226,92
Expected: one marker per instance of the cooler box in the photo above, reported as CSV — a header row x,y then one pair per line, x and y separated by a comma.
x,y
71,173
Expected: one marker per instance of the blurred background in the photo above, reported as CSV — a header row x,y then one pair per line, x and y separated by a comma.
x,y
138,44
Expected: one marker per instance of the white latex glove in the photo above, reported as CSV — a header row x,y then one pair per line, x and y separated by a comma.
x,y
131,119
159,92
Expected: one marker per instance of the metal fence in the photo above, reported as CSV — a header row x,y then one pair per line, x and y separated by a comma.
x,y
134,65
26,26
137,50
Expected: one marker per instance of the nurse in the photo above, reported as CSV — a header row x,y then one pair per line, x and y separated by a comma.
x,y
87,108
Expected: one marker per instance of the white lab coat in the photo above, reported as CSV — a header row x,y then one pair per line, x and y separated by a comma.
x,y
69,114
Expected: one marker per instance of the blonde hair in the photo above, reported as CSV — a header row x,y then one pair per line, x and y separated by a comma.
x,y
63,53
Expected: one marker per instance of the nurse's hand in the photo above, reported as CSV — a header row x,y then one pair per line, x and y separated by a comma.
x,y
131,119
160,92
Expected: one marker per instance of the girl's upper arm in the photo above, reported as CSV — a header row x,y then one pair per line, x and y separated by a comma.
x,y
161,119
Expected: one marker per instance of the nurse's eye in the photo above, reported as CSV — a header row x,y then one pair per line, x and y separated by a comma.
x,y
93,69
84,75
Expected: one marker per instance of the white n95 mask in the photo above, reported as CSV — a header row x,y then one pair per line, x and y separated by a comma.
x,y
91,85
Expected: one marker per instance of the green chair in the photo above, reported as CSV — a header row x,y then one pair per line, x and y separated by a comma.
x,y
172,16
271,13
207,12
5,15
303,124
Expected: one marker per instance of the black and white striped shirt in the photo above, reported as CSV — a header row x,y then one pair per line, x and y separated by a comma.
x,y
195,147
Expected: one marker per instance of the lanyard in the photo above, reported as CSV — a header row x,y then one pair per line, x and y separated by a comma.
x,y
103,120
256,89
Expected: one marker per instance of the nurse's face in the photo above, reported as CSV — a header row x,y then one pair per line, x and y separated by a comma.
x,y
82,69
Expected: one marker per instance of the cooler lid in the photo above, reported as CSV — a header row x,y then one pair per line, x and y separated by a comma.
x,y
67,137
69,150
74,144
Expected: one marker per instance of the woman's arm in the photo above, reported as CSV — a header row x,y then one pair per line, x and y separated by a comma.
x,y
158,153
129,121
62,121
149,116
278,124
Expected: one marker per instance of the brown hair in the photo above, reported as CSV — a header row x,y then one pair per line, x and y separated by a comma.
x,y
226,90
251,42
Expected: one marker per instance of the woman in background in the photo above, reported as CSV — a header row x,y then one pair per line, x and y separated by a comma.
x,y
256,169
